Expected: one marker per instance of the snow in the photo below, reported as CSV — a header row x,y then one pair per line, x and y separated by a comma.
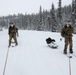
x,y
32,56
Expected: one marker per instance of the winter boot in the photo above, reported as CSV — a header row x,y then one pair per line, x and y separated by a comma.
x,y
71,51
9,45
65,51
16,44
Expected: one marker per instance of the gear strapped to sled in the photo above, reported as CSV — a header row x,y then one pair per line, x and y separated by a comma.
x,y
51,43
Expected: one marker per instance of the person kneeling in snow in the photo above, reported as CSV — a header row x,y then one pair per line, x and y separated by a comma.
x,y
51,43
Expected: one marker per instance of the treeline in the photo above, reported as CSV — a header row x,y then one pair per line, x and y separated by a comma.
x,y
52,20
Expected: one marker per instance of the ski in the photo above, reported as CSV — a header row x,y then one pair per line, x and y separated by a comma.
x,y
74,55
69,56
12,46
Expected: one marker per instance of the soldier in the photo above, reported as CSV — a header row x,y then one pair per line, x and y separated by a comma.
x,y
66,32
12,34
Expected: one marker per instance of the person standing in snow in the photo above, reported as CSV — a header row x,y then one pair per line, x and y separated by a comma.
x,y
12,34
67,32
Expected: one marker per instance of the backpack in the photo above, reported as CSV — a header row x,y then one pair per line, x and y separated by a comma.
x,y
49,40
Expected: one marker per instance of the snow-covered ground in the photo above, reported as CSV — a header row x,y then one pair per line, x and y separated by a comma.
x,y
32,56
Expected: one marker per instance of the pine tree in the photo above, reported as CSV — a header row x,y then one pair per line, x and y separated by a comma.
x,y
40,27
59,11
74,14
59,15
75,10
53,19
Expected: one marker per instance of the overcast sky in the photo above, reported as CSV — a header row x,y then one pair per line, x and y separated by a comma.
x,y
27,6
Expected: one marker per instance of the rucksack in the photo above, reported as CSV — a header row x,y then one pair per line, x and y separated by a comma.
x,y
49,40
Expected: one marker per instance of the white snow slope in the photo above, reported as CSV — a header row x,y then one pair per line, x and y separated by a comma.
x,y
32,56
